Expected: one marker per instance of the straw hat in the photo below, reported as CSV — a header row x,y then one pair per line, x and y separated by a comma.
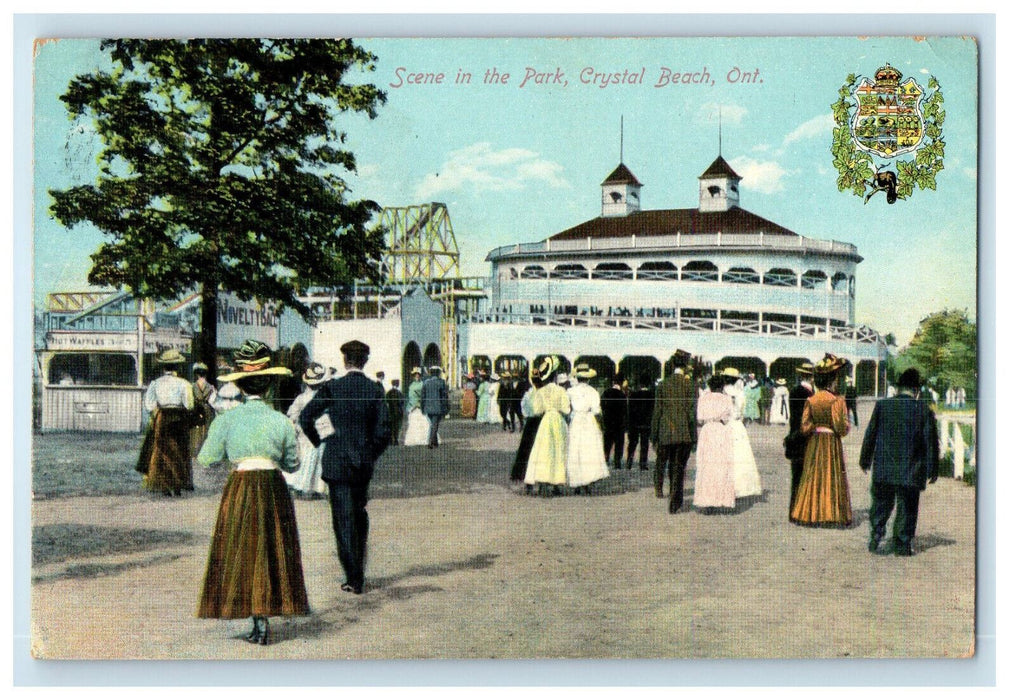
x,y
252,359
829,364
416,370
806,369
584,371
730,372
315,374
548,367
171,357
781,382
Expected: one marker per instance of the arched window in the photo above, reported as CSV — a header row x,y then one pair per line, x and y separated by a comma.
x,y
741,275
839,282
533,272
569,272
780,277
612,271
658,270
513,274
853,286
813,279
700,271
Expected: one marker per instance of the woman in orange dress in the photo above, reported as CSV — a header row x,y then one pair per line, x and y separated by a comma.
x,y
823,498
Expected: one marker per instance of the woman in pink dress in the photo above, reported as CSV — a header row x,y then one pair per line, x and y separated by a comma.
x,y
714,458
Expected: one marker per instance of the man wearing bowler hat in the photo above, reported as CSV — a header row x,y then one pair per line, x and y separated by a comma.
x,y
355,406
901,449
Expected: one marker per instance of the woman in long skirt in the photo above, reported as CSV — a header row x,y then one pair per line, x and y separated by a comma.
x,y
779,408
482,398
306,481
823,497
547,459
469,397
714,465
529,429
493,409
747,481
254,565
417,424
586,462
165,457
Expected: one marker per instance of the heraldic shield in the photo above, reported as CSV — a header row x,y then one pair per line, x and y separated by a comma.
x,y
888,121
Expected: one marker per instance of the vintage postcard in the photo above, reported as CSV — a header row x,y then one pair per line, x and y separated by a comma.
x,y
505,348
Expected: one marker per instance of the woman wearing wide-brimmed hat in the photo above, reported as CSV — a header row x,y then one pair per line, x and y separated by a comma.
x,y
546,466
165,457
306,481
254,565
585,463
747,480
417,424
823,496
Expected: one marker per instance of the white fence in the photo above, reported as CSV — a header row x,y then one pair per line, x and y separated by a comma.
x,y
950,438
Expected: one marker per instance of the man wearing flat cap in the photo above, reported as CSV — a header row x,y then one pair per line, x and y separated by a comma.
x,y
356,408
901,449
674,429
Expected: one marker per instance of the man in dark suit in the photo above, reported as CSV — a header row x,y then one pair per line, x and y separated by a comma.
x,y
795,443
674,431
519,387
614,405
356,408
901,448
640,419
434,402
850,396
395,400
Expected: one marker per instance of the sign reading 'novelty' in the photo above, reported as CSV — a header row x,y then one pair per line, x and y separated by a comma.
x,y
239,320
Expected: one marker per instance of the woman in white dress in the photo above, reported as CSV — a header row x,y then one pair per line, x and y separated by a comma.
x,y
493,410
585,462
306,481
417,424
747,481
714,469
779,409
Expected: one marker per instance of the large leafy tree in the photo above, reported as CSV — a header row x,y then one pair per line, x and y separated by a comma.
x,y
944,348
222,167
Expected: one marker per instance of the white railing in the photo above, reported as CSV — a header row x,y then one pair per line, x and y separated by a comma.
x,y
678,240
859,334
950,439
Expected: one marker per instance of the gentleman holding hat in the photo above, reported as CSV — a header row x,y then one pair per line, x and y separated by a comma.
x,y
901,442
165,454
355,406
674,430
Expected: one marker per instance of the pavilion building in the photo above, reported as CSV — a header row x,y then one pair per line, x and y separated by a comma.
x,y
625,289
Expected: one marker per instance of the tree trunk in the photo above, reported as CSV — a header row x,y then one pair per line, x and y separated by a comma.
x,y
207,345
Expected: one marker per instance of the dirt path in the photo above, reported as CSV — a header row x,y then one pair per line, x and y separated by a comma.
x,y
490,573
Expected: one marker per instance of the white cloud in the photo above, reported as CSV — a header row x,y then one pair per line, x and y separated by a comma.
x,y
816,126
762,176
710,112
481,168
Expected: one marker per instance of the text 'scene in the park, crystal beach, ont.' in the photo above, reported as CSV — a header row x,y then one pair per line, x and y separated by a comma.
x,y
588,76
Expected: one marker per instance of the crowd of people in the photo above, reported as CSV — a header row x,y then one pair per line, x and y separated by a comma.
x,y
308,431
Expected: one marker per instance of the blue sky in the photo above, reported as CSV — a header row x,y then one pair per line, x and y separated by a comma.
x,y
521,163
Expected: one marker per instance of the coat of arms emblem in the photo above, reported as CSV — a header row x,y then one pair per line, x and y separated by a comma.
x,y
883,123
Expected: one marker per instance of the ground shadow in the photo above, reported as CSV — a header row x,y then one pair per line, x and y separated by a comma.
x,y
55,543
378,591
92,570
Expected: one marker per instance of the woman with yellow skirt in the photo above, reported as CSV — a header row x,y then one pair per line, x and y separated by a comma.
x,y
823,497
254,566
